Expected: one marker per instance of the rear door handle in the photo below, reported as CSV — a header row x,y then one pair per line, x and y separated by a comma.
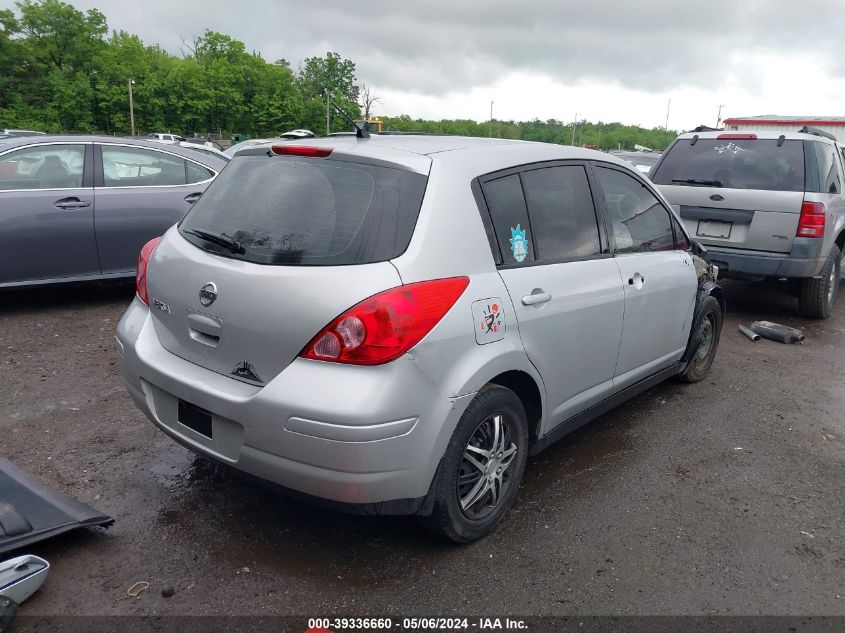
x,y
71,203
536,298
193,197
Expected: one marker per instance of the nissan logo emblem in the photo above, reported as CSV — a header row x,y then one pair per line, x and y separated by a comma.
x,y
208,294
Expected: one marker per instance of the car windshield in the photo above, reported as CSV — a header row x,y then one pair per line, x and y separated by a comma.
x,y
734,163
292,210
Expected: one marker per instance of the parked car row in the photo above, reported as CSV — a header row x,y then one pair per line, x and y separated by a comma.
x,y
463,302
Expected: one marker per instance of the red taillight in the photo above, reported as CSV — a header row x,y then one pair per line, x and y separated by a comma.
x,y
141,270
301,150
385,326
811,222
738,137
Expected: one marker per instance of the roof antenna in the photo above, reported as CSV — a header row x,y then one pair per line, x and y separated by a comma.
x,y
359,131
694,140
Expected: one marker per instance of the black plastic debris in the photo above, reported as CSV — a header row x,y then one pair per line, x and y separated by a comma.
x,y
31,512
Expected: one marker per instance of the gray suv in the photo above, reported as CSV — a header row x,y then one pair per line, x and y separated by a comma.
x,y
394,324
765,204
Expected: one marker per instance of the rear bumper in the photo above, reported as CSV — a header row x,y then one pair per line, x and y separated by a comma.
x,y
370,436
805,260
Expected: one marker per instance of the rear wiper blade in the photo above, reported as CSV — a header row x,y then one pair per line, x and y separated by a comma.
x,y
221,239
696,181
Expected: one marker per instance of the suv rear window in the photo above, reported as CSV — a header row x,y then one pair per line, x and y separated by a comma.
x,y
309,211
734,164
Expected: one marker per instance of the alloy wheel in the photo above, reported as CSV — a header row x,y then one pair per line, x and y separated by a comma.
x,y
484,472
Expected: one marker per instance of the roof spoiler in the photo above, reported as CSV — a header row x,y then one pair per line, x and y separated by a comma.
x,y
817,132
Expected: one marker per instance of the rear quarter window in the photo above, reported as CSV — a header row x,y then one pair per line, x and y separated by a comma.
x,y
734,164
830,181
306,211
506,202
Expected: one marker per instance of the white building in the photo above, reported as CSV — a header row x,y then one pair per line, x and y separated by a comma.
x,y
773,123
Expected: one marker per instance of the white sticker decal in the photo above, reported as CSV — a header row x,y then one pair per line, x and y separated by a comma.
x,y
733,148
489,317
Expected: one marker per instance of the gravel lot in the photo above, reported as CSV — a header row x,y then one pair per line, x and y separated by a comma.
x,y
724,497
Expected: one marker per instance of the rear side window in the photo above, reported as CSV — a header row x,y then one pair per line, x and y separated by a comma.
x,y
639,223
506,203
288,210
829,179
197,173
43,167
734,164
562,214
136,167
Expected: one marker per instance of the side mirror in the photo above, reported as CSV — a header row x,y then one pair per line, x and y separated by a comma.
x,y
19,578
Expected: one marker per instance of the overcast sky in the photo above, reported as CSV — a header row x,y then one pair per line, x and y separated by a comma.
x,y
604,60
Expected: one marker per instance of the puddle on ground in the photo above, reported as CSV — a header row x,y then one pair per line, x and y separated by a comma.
x,y
233,522
236,522
592,445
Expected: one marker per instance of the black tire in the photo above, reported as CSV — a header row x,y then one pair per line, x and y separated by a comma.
x,y
818,296
448,518
708,330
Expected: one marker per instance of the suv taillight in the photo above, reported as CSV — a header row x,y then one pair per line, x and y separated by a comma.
x,y
385,326
811,222
141,270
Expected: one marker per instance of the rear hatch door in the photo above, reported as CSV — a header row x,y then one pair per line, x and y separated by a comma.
x,y
743,193
314,236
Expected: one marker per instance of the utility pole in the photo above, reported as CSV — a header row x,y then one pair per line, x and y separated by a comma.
x,y
719,116
328,121
668,105
490,125
574,123
131,108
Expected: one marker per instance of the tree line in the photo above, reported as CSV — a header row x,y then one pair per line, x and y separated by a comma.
x,y
62,70
597,135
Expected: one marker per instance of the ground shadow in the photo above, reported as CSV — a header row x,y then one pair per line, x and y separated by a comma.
x,y
62,296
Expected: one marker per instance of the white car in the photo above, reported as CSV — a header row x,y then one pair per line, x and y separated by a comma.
x,y
160,136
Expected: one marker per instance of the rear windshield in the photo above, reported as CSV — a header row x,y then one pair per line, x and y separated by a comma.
x,y
288,210
734,164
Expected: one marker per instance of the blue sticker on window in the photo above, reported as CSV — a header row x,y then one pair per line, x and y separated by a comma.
x,y
519,245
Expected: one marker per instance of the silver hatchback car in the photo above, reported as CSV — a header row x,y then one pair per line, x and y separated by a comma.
x,y
394,324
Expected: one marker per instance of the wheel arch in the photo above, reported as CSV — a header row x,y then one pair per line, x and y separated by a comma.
x,y
529,393
840,240
705,289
